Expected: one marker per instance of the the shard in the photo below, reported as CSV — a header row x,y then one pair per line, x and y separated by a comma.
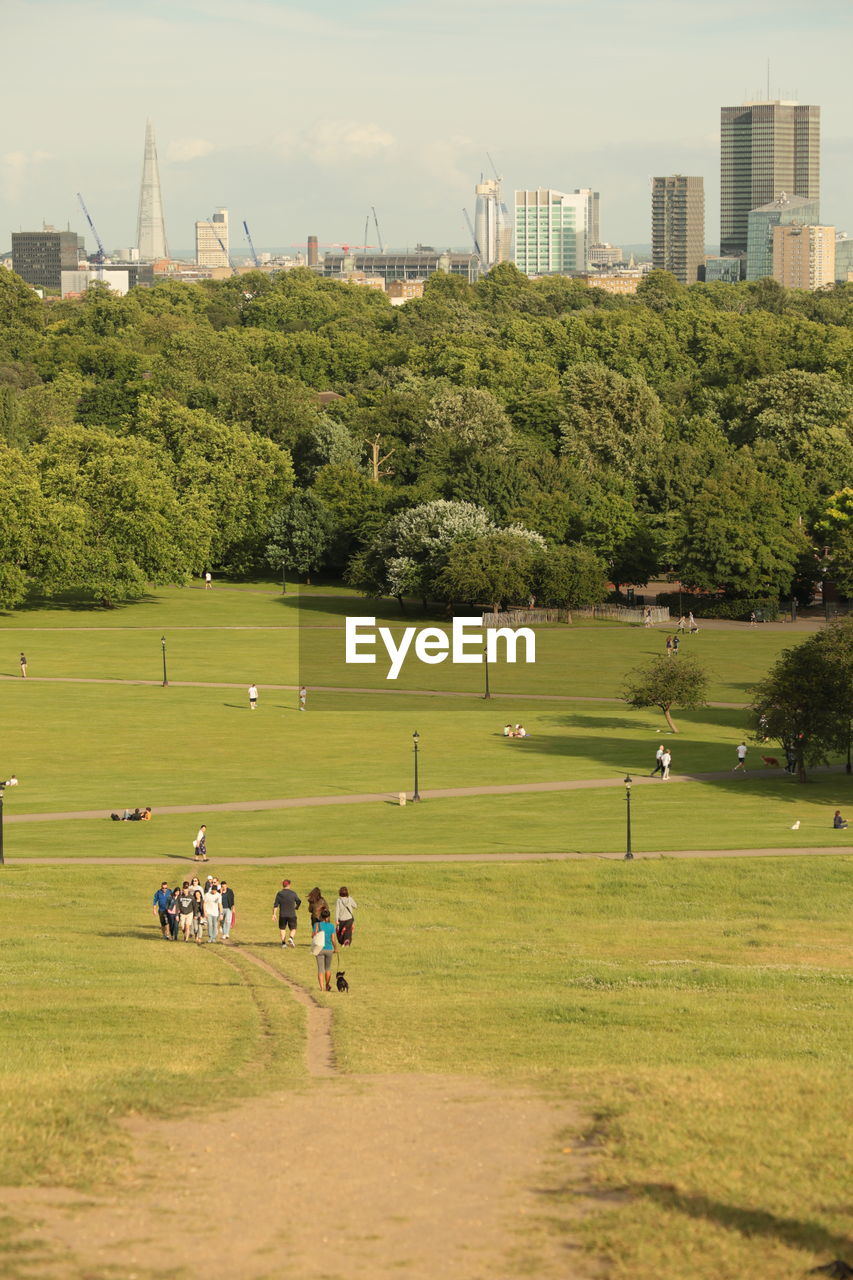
x,y
151,226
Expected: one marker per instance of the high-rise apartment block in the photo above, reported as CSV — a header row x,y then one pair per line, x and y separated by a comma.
x,y
212,245
804,257
592,220
766,148
492,226
313,251
678,226
151,225
843,258
549,232
40,257
786,211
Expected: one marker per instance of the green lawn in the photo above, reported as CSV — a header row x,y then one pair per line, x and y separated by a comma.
x,y
700,1011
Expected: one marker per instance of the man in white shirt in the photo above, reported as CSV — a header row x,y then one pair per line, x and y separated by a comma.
x,y
741,758
253,697
212,909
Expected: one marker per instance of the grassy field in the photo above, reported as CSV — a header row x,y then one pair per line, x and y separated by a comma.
x,y
698,1010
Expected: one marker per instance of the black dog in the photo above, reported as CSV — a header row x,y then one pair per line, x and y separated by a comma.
x,y
343,985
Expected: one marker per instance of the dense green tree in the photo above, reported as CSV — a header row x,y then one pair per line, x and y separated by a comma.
x,y
570,577
667,682
496,568
301,532
612,421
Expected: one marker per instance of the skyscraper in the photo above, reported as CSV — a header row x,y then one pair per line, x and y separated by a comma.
x,y
211,241
592,220
549,232
804,257
151,226
765,148
678,226
492,226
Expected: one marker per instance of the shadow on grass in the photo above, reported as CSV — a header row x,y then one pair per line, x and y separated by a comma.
x,y
74,602
749,1222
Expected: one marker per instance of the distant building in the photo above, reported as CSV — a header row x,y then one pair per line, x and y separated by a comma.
x,y
417,265
313,254
151,225
785,211
804,257
119,280
766,148
604,255
40,257
492,225
678,226
549,232
843,258
592,218
212,245
613,281
400,291
722,270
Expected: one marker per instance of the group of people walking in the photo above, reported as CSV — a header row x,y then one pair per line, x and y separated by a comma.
x,y
199,913
193,911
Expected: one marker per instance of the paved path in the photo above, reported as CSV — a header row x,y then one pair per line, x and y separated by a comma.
x,y
377,797
342,688
365,859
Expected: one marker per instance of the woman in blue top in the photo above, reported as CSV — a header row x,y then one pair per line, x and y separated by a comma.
x,y
330,947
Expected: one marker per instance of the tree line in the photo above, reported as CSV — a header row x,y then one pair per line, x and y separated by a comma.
x,y
488,442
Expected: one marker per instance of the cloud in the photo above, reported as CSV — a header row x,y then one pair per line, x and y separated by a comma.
x,y
16,168
329,143
182,150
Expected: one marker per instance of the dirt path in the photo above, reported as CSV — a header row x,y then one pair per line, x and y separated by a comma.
x,y
420,1176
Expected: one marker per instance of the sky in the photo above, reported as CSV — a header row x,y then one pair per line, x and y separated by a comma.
x,y
299,118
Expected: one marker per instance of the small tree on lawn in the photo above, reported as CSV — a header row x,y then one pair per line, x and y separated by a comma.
x,y
667,682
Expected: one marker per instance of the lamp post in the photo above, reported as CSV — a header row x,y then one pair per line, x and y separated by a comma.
x,y
416,737
9,782
488,692
629,857
283,580
163,645
849,762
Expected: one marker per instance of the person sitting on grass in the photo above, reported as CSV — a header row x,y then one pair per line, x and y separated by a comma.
x,y
839,824
145,816
520,731
507,730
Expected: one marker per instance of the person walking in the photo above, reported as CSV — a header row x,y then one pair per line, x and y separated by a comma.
x,y
208,581
658,761
185,912
691,622
669,646
172,912
345,908
316,904
160,904
741,758
682,623
198,915
226,902
253,697
666,761
23,666
303,698
647,618
675,643
212,908
284,909
324,944
200,845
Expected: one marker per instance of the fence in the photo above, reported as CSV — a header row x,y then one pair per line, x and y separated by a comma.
x,y
615,612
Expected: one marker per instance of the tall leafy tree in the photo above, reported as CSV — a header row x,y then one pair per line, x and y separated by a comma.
x,y
667,682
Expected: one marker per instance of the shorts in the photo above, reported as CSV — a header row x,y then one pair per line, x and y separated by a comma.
x,y
287,922
165,919
324,962
253,702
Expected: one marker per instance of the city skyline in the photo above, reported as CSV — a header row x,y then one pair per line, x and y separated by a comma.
x,y
397,109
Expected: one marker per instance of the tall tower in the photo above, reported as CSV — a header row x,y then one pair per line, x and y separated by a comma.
x,y
766,148
151,226
678,226
550,232
212,245
491,223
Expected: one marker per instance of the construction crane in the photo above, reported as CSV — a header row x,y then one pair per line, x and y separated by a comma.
x,y
100,256
477,248
251,246
378,232
234,270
